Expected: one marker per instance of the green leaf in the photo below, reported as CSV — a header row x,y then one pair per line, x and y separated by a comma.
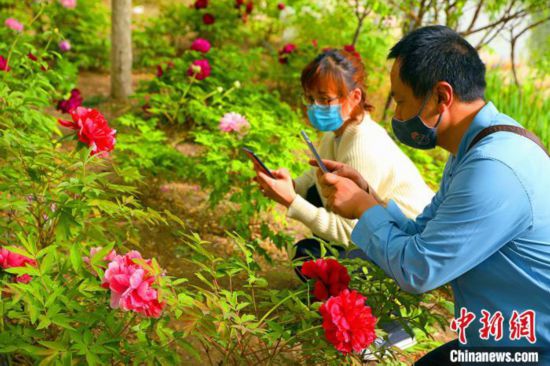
x,y
75,257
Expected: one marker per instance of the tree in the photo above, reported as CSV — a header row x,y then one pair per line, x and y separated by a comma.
x,y
121,49
464,16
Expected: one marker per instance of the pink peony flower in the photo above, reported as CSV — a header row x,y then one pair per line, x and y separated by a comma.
x,y
200,69
93,129
288,48
75,100
64,46
208,19
131,286
201,45
233,122
14,24
285,51
201,4
69,4
4,64
11,260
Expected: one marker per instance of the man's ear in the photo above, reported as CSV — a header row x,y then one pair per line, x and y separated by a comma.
x,y
445,95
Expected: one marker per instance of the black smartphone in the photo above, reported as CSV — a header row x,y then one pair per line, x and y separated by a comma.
x,y
314,152
254,157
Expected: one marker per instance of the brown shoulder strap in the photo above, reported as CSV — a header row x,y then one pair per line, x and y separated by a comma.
x,y
514,129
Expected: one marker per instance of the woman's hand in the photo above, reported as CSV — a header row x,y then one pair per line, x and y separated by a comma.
x,y
280,189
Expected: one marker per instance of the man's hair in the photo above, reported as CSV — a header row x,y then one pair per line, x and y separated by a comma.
x,y
437,53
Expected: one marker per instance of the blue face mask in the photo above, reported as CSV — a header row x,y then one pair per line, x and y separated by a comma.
x,y
414,132
325,117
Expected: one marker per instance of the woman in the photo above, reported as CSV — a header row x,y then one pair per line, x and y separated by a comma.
x,y
334,92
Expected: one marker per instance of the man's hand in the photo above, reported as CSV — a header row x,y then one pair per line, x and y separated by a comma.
x,y
346,171
280,189
344,197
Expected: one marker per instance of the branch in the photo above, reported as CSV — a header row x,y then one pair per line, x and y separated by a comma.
x,y
531,26
476,15
360,18
504,19
484,41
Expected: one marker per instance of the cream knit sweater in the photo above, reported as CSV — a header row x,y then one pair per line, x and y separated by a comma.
x,y
367,148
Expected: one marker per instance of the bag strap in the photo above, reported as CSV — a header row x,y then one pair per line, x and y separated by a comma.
x,y
514,129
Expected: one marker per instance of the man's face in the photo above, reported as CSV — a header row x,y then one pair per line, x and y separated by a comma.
x,y
407,104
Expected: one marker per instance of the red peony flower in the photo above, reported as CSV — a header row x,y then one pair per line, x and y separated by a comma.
x,y
331,277
238,3
10,259
93,129
349,324
201,45
32,57
281,6
4,64
314,43
201,4
208,19
351,49
75,100
200,69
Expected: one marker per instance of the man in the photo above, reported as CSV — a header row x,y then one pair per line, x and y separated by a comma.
x,y
487,229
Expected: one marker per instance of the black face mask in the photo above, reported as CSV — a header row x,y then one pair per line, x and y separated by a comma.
x,y
414,132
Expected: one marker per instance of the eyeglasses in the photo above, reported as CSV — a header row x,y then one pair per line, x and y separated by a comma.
x,y
309,100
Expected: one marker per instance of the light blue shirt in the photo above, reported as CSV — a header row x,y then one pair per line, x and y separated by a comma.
x,y
486,232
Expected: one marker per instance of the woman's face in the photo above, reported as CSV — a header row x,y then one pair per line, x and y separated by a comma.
x,y
328,95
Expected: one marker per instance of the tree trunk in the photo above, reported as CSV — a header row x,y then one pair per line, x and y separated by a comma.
x,y
121,49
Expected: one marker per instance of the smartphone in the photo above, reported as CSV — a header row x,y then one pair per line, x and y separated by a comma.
x,y
314,152
254,157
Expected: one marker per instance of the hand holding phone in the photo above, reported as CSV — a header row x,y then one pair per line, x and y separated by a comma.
x,y
314,152
256,159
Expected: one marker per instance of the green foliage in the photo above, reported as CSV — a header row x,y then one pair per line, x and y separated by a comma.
x,y
526,104
46,23
57,202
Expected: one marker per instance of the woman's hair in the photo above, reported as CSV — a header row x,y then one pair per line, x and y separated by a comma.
x,y
340,68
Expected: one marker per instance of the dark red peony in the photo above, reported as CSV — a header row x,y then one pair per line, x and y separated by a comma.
x,y
208,19
285,51
201,4
349,324
74,101
93,130
331,277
